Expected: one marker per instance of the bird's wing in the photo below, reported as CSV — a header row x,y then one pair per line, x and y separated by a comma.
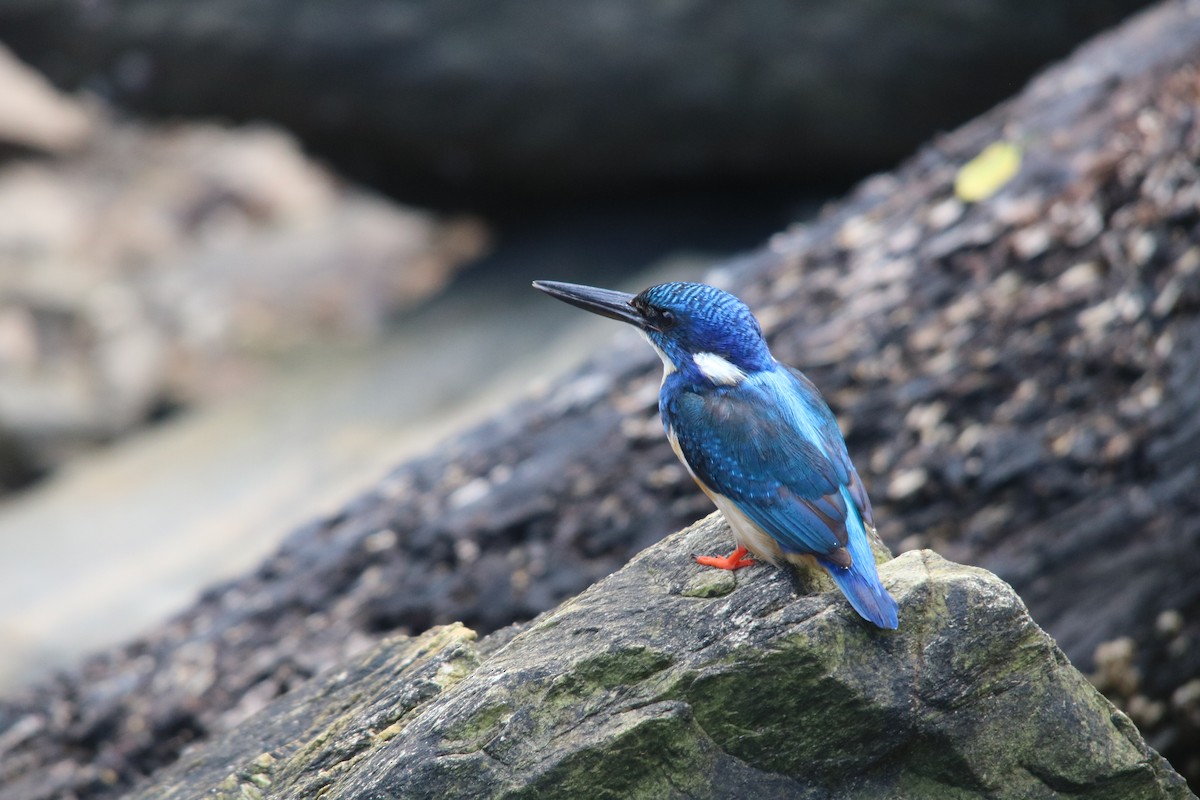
x,y
835,446
742,445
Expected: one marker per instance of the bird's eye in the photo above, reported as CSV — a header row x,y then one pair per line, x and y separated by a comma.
x,y
664,319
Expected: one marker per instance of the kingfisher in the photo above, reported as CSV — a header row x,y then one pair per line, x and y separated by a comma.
x,y
755,434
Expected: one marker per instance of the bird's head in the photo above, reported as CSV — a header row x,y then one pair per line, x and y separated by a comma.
x,y
698,330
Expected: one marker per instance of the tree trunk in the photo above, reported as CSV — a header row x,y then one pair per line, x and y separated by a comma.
x,y
476,97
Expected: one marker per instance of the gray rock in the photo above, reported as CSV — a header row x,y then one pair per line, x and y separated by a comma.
x,y
33,115
566,97
638,689
157,266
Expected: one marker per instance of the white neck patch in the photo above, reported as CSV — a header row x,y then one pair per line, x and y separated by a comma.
x,y
668,367
718,370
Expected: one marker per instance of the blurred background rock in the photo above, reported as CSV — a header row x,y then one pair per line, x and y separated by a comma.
x,y
145,268
200,212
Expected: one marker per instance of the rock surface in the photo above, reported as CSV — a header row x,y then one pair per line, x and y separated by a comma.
x,y
639,688
545,97
1018,378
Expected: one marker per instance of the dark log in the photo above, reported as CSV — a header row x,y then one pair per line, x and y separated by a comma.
x,y
478,97
1020,380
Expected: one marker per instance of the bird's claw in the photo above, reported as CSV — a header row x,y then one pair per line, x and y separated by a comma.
x,y
735,560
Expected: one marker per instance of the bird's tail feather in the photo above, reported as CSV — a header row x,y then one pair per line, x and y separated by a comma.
x,y
862,587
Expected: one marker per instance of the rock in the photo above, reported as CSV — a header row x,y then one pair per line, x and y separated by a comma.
x,y
481,98
636,689
155,266
941,348
34,115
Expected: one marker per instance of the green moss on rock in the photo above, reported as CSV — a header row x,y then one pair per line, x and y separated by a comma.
x,y
635,690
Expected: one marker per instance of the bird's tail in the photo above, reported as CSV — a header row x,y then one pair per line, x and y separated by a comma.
x,y
862,587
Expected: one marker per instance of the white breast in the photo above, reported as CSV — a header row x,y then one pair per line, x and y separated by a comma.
x,y
749,535
752,537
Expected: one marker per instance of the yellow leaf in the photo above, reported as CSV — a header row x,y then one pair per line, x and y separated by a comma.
x,y
986,173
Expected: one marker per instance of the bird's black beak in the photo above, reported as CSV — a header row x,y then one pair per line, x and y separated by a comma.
x,y
605,302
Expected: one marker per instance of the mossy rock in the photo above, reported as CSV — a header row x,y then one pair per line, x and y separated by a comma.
x,y
641,688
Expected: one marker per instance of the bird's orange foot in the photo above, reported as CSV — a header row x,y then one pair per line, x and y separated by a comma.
x,y
735,560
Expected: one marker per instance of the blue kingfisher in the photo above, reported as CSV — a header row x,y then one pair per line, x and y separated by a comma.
x,y
756,435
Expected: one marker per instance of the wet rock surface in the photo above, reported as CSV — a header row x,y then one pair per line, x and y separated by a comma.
x,y
497,99
636,689
1018,379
